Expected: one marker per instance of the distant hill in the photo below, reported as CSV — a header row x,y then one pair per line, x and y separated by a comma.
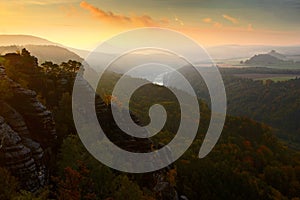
x,y
277,55
8,40
272,58
263,59
43,49
273,103
56,54
246,51
216,52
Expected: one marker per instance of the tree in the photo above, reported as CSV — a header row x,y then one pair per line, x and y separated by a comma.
x,y
126,189
49,66
76,185
101,176
71,66
5,91
63,116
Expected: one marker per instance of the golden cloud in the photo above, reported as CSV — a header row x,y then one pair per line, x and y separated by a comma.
x,y
231,19
69,10
214,23
116,19
207,20
179,21
218,25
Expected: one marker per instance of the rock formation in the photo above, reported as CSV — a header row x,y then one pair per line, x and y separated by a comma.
x,y
27,133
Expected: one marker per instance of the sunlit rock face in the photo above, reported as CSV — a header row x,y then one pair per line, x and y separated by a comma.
x,y
27,134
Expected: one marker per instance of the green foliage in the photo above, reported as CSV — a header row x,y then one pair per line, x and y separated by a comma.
x,y
23,68
126,189
72,151
81,176
76,185
236,167
5,91
2,60
42,194
274,103
241,166
63,115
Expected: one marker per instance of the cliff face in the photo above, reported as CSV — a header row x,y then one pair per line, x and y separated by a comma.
x,y
27,133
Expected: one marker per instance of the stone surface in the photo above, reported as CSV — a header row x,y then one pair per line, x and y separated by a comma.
x,y
27,132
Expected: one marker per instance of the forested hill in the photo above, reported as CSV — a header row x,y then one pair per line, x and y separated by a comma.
x,y
7,40
53,53
272,58
274,103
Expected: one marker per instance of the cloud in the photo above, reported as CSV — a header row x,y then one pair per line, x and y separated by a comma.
x,y
70,10
217,25
231,19
110,17
42,2
207,20
179,21
214,23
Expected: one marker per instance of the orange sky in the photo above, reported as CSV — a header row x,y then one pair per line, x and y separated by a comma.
x,y
83,24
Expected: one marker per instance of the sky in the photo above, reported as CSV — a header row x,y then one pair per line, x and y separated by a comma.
x,y
83,24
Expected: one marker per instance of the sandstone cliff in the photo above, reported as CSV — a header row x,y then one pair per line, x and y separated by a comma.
x,y
27,134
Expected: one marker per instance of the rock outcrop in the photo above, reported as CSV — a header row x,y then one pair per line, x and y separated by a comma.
x,y
27,133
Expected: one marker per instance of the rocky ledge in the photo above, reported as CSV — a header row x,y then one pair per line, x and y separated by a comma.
x,y
27,135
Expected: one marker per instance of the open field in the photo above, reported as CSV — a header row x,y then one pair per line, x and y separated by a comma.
x,y
274,77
